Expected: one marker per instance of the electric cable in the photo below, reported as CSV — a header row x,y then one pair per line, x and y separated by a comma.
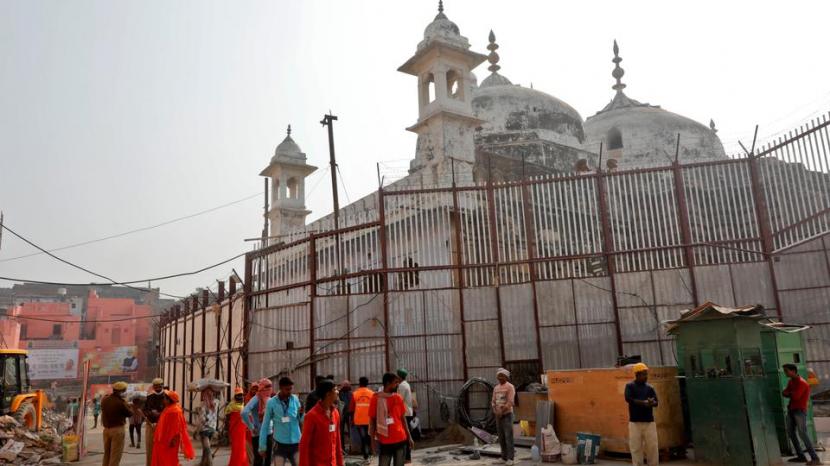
x,y
136,230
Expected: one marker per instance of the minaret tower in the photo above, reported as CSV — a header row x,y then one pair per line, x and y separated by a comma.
x,y
443,64
288,170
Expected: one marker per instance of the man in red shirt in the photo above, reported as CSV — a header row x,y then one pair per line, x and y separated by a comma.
x,y
387,423
320,441
798,391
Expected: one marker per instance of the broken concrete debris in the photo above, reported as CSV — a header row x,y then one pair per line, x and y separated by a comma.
x,y
25,448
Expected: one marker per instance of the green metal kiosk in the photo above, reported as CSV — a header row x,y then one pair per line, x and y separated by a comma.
x,y
730,402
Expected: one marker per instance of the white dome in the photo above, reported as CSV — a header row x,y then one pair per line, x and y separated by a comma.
x,y
288,151
441,29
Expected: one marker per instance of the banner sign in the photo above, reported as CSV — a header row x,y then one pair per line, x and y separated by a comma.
x,y
53,364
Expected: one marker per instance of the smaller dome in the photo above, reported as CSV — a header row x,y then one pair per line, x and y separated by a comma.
x,y
288,151
441,29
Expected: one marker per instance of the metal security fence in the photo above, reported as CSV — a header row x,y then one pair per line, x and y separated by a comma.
x,y
562,271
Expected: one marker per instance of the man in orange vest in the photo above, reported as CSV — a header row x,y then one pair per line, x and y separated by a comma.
x,y
359,407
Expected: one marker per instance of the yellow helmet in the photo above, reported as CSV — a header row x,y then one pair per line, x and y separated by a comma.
x,y
121,386
639,367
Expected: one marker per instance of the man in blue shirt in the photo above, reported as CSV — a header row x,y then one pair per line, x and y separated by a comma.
x,y
283,415
253,415
642,431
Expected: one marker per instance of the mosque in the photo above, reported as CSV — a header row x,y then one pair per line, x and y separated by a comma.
x,y
500,131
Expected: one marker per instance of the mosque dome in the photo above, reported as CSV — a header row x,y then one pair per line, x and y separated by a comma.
x,y
441,29
507,107
646,135
288,151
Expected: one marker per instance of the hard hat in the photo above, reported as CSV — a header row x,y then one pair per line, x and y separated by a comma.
x,y
639,367
158,381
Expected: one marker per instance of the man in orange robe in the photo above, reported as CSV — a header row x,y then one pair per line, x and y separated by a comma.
x,y
237,430
171,434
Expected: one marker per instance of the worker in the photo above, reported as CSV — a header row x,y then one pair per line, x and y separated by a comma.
x,y
208,423
642,430
171,434
359,412
345,395
387,423
320,440
96,411
798,391
249,446
252,416
136,420
114,414
283,415
236,429
153,406
504,394
405,391
311,400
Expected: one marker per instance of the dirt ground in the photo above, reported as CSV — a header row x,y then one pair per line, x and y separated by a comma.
x,y
430,454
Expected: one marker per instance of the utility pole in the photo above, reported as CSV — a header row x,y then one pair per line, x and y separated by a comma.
x,y
1,230
328,120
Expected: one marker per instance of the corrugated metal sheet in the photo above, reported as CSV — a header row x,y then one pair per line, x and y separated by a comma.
x,y
640,323
368,359
410,353
714,284
650,352
406,313
673,287
483,347
560,349
593,300
330,319
801,270
442,311
805,306
597,343
633,289
556,302
818,343
480,303
444,357
518,322
366,311
273,328
753,285
333,358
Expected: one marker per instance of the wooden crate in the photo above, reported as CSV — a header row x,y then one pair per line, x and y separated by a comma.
x,y
593,400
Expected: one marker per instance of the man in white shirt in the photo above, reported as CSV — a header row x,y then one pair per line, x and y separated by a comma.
x,y
405,391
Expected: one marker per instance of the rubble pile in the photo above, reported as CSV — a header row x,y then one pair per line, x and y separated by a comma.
x,y
25,448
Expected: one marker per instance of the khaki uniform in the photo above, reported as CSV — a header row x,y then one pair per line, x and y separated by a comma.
x,y
114,414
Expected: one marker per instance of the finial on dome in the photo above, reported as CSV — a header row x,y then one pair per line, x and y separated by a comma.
x,y
493,57
618,72
712,125
440,14
288,131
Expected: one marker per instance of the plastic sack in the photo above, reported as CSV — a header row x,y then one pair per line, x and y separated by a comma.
x,y
568,454
550,442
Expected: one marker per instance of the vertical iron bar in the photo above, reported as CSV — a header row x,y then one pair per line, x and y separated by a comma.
x,y
608,248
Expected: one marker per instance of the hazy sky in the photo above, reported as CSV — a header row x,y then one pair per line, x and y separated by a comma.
x,y
120,115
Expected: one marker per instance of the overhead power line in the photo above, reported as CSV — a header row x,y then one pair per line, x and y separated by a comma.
x,y
136,230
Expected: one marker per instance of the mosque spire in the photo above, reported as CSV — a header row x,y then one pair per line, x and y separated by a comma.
x,y
288,131
495,79
493,57
618,72
712,125
440,14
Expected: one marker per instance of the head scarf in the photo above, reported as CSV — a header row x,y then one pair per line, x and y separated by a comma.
x,y
251,392
209,398
403,373
174,397
504,372
266,388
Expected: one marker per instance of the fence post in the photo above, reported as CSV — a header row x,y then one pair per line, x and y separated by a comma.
x,y
312,272
459,261
762,217
204,330
608,249
247,289
685,227
384,258
530,241
229,335
217,364
494,249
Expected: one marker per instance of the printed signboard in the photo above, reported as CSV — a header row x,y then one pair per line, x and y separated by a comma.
x,y
115,360
53,363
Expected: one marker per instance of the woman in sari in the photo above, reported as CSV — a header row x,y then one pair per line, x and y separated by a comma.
x,y
237,430
171,434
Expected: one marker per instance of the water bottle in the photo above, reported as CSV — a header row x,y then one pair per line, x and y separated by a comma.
x,y
534,454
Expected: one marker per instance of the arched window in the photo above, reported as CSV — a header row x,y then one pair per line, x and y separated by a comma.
x,y
427,91
454,85
614,139
275,189
291,184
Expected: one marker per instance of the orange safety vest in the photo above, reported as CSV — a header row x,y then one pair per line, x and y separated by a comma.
x,y
362,397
